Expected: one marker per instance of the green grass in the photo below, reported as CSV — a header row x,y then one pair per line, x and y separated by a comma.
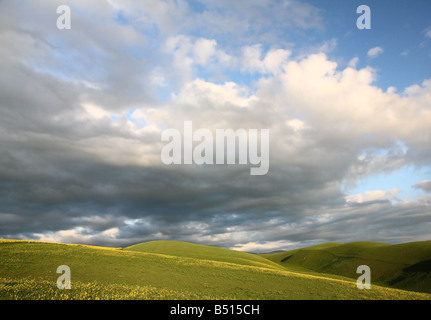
x,y
405,266
190,250
28,271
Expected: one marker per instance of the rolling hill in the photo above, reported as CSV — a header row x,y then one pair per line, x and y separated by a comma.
x,y
405,266
172,270
196,251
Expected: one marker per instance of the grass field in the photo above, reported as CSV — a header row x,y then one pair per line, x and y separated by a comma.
x,y
170,270
405,266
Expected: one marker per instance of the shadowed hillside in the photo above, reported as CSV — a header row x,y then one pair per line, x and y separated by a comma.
x,y
406,266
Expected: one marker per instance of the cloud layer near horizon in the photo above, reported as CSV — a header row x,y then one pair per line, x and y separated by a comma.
x,y
82,111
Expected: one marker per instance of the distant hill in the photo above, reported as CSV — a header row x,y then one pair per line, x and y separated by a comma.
x,y
406,266
196,251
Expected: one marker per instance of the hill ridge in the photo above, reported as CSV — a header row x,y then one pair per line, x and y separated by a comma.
x,y
211,253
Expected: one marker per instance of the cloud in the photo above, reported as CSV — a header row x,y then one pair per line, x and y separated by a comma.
x,y
373,196
353,62
425,185
265,246
374,52
271,63
405,53
241,20
189,54
81,116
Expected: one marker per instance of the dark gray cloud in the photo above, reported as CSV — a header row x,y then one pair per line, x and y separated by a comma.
x,y
424,185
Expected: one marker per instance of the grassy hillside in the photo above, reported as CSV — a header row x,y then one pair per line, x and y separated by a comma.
x,y
196,251
28,271
405,266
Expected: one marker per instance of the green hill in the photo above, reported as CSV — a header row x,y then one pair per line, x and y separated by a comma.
x,y
28,271
406,266
196,251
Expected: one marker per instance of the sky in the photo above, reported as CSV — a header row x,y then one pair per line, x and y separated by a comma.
x,y
83,109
